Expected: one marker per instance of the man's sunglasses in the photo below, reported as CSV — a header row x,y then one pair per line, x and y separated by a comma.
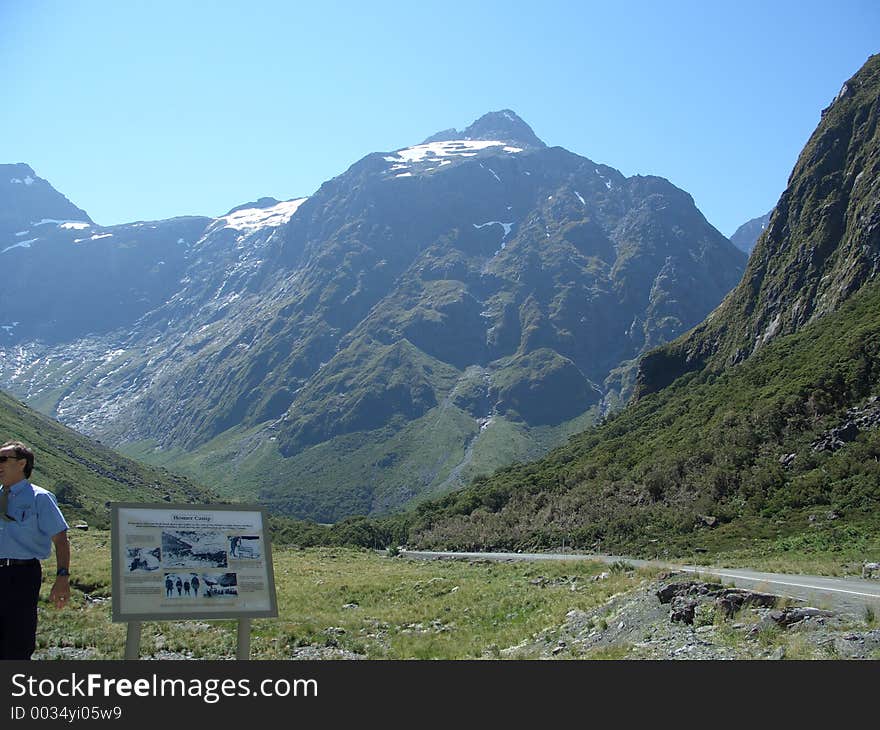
x,y
4,459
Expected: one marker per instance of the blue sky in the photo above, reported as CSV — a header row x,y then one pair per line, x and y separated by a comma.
x,y
148,110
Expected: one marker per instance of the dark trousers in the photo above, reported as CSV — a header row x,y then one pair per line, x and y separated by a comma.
x,y
19,593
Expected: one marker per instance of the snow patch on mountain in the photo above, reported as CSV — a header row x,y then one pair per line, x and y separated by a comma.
x,y
506,226
75,225
14,360
22,244
431,151
112,355
250,219
93,238
45,221
494,174
26,181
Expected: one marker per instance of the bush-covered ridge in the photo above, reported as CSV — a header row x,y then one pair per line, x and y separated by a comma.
x,y
707,446
821,245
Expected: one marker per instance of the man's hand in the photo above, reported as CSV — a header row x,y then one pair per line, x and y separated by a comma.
x,y
60,593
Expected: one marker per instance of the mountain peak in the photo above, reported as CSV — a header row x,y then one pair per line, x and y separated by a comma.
x,y
265,202
25,197
746,236
18,174
504,126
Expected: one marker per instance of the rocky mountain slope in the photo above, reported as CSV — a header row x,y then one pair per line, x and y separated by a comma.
x,y
430,314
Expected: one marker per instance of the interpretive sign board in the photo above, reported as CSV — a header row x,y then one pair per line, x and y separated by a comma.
x,y
178,561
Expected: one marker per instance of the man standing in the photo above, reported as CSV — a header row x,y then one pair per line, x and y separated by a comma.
x,y
30,523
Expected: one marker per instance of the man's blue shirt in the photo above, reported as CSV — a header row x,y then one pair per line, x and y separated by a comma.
x,y
36,518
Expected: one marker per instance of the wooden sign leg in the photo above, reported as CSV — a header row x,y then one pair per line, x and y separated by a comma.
x,y
244,639
133,640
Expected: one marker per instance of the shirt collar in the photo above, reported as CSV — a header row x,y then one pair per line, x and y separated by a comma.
x,y
18,486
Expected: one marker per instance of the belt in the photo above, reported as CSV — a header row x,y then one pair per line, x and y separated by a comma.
x,y
6,562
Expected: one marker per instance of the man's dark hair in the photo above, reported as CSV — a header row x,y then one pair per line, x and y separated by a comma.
x,y
22,451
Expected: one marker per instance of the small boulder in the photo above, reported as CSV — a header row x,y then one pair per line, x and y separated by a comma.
x,y
683,610
733,599
789,616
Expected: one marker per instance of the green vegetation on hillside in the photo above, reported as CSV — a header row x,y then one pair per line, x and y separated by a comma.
x,y
443,449
707,446
650,478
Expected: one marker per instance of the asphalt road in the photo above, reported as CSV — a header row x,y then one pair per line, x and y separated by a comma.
x,y
850,595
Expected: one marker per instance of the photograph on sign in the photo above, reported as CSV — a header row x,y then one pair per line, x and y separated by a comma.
x,y
194,549
185,561
144,558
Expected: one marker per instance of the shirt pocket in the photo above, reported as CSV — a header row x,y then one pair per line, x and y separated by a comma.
x,y
26,517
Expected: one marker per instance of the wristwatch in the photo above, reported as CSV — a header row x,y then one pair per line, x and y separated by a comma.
x,y
62,571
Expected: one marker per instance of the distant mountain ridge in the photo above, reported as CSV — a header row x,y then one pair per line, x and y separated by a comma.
x,y
429,314
746,236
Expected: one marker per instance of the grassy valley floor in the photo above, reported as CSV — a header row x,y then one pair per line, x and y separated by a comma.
x,y
339,603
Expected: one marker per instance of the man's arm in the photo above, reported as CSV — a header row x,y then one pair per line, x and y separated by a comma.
x,y
60,593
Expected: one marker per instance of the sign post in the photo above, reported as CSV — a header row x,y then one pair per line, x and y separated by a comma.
x,y
243,648
133,640
183,561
